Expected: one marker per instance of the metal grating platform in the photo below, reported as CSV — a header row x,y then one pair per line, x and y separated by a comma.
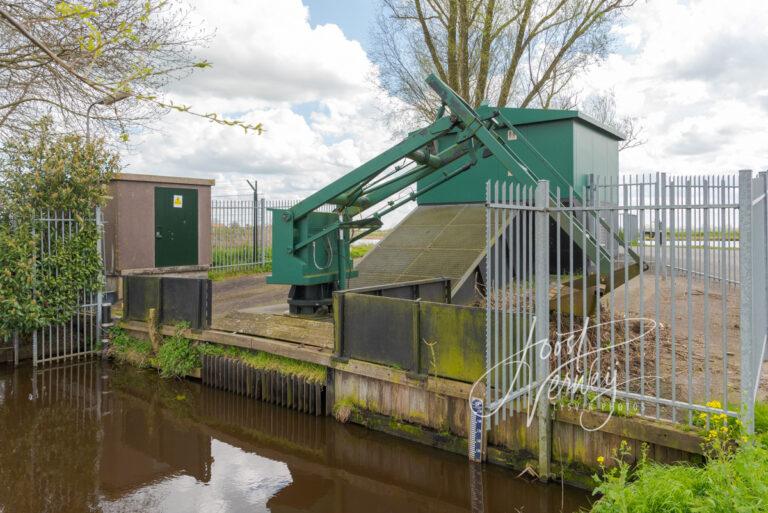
x,y
433,241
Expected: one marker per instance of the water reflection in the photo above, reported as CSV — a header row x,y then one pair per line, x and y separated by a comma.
x,y
89,437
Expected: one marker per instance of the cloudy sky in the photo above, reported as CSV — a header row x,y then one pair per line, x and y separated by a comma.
x,y
694,73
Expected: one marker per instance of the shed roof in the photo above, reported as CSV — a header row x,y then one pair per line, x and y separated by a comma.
x,y
175,180
531,116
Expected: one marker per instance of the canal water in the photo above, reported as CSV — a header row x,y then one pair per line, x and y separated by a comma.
x,y
94,437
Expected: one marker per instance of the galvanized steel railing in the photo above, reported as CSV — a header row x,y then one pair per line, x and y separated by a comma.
x,y
241,232
674,333
81,335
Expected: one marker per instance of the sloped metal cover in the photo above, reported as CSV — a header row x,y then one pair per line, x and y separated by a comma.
x,y
433,241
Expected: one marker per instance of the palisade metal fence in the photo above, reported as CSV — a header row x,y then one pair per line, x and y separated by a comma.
x,y
674,328
686,235
81,335
241,232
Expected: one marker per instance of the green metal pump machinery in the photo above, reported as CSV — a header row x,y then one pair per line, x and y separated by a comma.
x,y
311,247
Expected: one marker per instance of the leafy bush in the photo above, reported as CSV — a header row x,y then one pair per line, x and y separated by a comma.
x,y
177,357
733,478
41,172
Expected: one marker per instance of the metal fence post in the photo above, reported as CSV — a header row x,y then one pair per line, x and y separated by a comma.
x,y
263,245
487,283
255,237
15,348
661,216
589,201
102,279
745,306
541,281
764,250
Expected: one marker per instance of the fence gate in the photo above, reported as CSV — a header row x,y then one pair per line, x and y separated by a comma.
x,y
81,335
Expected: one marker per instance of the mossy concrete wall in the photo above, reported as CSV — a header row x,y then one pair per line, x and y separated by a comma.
x,y
425,338
435,412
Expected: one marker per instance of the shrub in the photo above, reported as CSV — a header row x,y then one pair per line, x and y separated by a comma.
x,y
177,356
127,349
731,480
43,171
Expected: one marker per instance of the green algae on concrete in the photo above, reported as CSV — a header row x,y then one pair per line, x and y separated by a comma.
x,y
453,341
413,432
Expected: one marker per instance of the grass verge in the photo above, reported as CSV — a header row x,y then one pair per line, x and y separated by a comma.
x,y
178,356
226,274
732,479
360,250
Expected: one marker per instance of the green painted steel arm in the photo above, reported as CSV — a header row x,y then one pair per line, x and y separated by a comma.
x,y
449,170
372,168
388,189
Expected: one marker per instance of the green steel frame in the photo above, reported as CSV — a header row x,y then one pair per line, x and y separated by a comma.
x,y
298,230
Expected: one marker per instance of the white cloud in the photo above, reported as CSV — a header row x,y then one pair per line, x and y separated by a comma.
x,y
268,50
692,71
313,89
695,73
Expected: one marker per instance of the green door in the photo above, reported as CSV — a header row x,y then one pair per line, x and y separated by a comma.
x,y
175,227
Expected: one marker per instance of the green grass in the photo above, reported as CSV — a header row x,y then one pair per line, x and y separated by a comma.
x,y
127,349
732,479
728,484
360,250
698,235
242,255
179,356
761,422
267,361
238,254
226,274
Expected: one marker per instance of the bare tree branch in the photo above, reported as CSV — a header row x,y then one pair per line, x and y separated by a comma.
x,y
59,58
602,107
518,52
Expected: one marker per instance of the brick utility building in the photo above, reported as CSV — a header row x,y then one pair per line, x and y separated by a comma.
x,y
157,225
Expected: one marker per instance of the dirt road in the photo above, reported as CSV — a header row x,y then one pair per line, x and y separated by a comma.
x,y
244,292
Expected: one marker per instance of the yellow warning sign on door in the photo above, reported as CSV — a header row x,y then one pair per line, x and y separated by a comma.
x,y
178,201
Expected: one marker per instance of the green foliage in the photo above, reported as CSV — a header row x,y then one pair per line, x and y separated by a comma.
x,y
267,361
731,480
127,349
761,417
42,172
761,422
177,356
360,250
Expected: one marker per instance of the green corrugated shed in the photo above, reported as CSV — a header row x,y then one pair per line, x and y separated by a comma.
x,y
567,141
